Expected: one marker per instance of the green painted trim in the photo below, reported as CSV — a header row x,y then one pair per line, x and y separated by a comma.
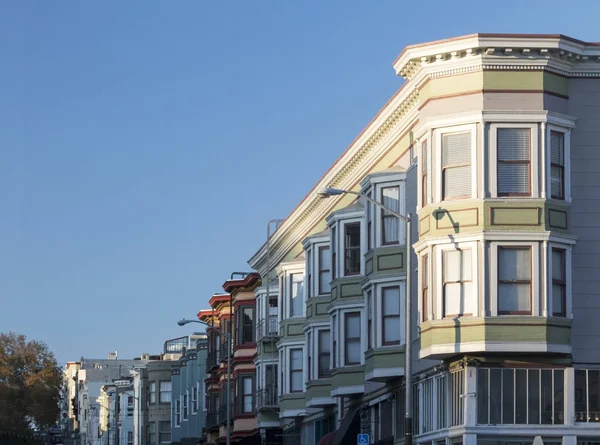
x,y
346,289
387,260
316,308
291,327
533,215
384,358
320,388
347,376
294,401
508,329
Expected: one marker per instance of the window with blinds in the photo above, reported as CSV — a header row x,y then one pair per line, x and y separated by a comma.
x,y
514,161
457,283
456,165
557,165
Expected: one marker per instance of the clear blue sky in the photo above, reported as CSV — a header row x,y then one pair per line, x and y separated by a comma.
x,y
144,145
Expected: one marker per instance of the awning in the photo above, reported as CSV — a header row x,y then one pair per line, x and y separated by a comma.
x,y
327,439
346,425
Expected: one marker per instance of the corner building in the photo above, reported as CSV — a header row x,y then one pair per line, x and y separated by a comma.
x,y
492,144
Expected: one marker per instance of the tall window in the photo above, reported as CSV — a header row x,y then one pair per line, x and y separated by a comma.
x,y
296,370
309,354
557,165
164,431
514,280
247,394
152,392
456,165
559,283
194,399
324,352
457,283
151,431
425,286
520,396
324,270
424,167
334,363
390,314
165,391
185,406
352,349
129,437
246,322
296,294
309,274
178,412
514,154
390,224
369,319
587,395
352,249
333,253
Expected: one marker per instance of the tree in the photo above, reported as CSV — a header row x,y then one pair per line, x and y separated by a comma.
x,y
30,382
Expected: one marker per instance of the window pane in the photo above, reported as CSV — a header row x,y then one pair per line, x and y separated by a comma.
x,y
557,181
452,265
508,396
521,393
514,297
514,264
391,329
324,258
558,264
482,396
352,248
495,396
391,300
324,270
457,181
594,393
456,149
580,395
533,402
353,352
558,299
352,325
513,144
324,341
296,359
546,396
557,148
513,178
297,294
559,407
391,227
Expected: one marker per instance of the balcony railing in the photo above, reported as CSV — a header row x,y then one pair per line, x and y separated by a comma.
x,y
212,419
268,328
267,398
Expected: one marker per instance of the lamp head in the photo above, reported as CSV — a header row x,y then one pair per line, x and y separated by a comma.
x,y
182,322
330,191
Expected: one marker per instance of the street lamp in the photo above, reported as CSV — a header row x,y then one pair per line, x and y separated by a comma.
x,y
227,335
330,191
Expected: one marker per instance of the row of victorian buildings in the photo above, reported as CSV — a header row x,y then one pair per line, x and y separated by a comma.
x,y
492,147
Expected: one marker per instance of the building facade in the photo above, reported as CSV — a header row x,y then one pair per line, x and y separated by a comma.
x,y
491,145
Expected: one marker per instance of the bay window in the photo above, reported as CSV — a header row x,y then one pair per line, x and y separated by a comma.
x,y
514,280
514,161
296,369
334,244
457,283
559,282
520,396
557,165
352,348
390,224
390,315
352,254
456,165
324,349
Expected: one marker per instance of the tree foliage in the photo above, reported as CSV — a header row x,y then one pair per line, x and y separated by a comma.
x,y
30,383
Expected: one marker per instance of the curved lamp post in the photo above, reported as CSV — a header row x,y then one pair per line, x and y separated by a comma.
x,y
183,322
330,191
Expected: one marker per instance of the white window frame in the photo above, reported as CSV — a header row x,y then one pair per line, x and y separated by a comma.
x,y
548,310
425,139
429,252
340,244
341,320
534,162
377,321
547,183
438,253
439,133
317,263
288,372
378,213
317,333
536,307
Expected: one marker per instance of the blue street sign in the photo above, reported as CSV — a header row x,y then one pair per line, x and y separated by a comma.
x,y
363,439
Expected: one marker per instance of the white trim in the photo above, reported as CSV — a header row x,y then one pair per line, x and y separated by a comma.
x,y
380,373
548,281
439,132
535,276
348,390
533,159
490,346
439,284
319,401
566,131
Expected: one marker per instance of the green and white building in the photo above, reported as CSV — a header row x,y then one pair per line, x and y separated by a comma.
x,y
493,145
